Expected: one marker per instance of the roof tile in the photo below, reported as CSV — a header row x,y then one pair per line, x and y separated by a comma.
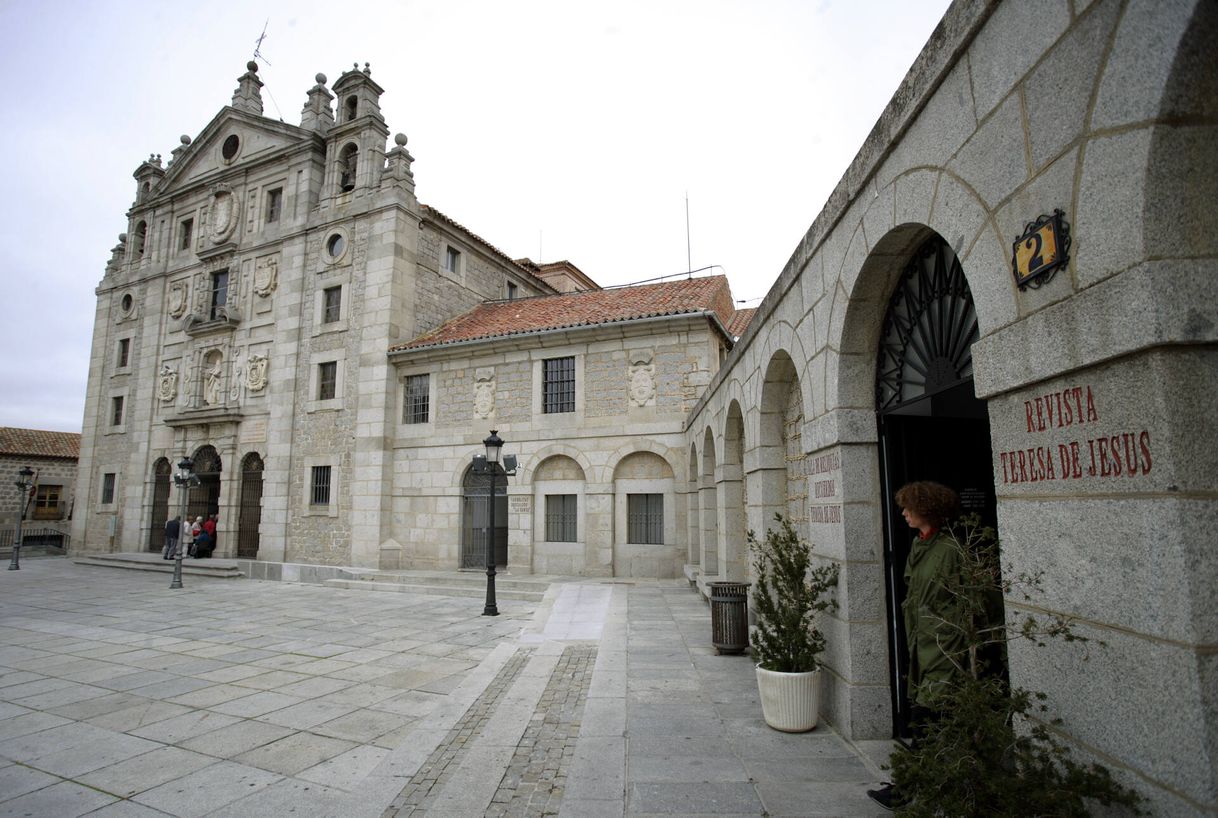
x,y
38,443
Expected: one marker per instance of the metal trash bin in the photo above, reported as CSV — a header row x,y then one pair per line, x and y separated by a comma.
x,y
729,616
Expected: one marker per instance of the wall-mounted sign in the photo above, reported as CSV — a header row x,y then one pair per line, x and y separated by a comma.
x,y
1041,250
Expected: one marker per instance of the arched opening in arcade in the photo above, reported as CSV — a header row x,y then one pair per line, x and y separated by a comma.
x,y
204,499
475,518
931,424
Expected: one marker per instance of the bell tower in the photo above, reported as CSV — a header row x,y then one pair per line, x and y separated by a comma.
x,y
355,144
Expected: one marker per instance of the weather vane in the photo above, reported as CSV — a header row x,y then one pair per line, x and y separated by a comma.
x,y
258,44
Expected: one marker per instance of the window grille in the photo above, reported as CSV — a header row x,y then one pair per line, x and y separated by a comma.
x,y
332,303
107,491
558,385
319,494
561,518
645,519
416,404
327,380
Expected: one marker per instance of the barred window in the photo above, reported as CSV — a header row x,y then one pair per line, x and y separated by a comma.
x,y
645,519
558,385
116,405
327,380
107,490
560,518
415,404
332,304
319,492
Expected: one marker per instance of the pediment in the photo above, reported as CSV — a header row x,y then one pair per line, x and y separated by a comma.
x,y
232,139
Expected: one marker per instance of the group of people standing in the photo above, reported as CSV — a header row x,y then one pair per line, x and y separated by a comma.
x,y
199,537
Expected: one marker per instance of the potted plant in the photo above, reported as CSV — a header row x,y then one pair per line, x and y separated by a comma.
x,y
787,644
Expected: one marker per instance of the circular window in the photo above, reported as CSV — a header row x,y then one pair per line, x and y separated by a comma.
x,y
336,245
127,304
230,147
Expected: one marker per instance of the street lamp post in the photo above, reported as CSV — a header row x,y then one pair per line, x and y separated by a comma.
x,y
184,479
490,464
24,482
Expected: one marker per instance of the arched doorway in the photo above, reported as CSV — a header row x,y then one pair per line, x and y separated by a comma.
x,y
476,488
160,504
249,514
931,424
204,498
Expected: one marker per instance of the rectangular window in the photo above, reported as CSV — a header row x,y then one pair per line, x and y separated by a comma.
x,y
319,486
116,413
452,258
558,385
415,405
219,294
124,352
645,519
512,290
274,203
107,494
327,380
560,518
186,232
331,304
46,502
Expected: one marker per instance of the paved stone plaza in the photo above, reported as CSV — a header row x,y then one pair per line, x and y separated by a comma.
x,y
121,697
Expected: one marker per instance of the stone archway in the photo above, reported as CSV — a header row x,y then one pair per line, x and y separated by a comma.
x,y
734,494
709,503
249,516
161,471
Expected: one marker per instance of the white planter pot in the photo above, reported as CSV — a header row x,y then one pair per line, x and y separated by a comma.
x,y
789,701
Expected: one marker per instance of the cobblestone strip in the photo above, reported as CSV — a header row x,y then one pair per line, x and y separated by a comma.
x,y
446,758
537,775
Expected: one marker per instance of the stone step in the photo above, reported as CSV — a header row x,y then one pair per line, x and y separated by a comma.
x,y
440,586
222,569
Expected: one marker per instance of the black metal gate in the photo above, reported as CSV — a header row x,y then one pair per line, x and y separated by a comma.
x,y
204,499
474,520
250,513
160,505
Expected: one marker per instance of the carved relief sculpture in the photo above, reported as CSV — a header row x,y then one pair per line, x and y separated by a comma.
x,y
484,392
255,373
641,379
213,389
167,388
266,275
177,299
222,216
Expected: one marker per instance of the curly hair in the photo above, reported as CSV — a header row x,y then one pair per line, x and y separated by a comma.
x,y
934,502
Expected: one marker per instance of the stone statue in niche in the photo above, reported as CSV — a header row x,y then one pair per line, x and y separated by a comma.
x,y
177,299
255,373
266,275
213,387
641,378
484,392
167,386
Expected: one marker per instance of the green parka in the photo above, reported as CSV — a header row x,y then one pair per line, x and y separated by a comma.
x,y
933,616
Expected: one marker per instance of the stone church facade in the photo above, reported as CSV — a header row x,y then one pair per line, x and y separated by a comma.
x,y
1011,290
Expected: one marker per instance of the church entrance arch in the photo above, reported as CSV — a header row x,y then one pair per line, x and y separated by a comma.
x,y
160,504
204,499
475,519
931,424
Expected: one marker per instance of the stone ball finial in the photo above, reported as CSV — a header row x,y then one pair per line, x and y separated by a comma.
x,y
321,78
354,66
122,238
184,139
368,68
252,67
400,139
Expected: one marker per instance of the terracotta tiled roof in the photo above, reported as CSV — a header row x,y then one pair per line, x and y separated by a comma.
x,y
740,321
37,443
551,312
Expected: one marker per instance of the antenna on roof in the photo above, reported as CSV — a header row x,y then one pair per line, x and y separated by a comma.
x,y
689,264
258,56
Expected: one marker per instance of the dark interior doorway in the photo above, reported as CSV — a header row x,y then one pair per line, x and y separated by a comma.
x,y
475,519
931,424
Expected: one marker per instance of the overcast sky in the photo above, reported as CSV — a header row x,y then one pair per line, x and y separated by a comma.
x,y
554,130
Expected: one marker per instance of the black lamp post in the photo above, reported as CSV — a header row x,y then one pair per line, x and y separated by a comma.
x,y
494,447
184,479
24,481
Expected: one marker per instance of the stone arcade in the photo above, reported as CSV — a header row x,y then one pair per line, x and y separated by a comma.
x,y
286,304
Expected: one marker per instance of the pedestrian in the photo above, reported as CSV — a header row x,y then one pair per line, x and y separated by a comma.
x,y
209,525
931,609
172,529
196,528
187,541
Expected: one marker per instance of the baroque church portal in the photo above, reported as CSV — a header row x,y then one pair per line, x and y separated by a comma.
x,y
1012,290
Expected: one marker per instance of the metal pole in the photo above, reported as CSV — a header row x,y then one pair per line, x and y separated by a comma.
x,y
177,561
491,608
15,564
